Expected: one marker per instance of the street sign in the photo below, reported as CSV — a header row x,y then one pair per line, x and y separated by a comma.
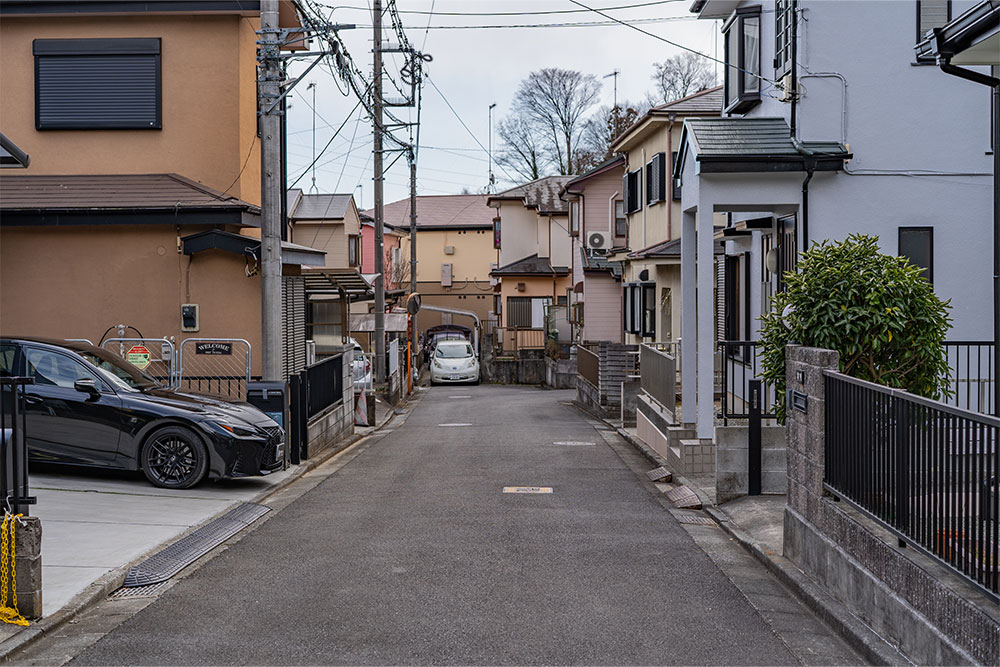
x,y
138,356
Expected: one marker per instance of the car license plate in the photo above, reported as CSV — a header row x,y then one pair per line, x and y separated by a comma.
x,y
454,377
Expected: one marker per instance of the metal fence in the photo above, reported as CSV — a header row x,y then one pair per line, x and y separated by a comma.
x,y
312,391
738,365
658,375
156,357
509,341
13,446
925,470
215,366
588,365
972,383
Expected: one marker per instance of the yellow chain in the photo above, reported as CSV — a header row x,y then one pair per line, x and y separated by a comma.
x,y
9,582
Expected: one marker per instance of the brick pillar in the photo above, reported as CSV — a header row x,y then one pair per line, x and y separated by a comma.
x,y
804,368
28,563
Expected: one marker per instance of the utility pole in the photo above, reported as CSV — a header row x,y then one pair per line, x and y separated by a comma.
x,y
380,360
413,252
489,186
270,191
312,86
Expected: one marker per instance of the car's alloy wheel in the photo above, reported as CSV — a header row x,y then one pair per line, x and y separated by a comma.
x,y
174,458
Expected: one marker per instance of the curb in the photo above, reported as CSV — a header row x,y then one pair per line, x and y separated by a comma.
x,y
869,644
111,581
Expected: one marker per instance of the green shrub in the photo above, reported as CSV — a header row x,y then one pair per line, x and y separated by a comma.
x,y
876,310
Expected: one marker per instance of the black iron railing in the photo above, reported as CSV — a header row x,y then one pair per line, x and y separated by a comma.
x,y
14,496
737,365
925,470
311,391
972,383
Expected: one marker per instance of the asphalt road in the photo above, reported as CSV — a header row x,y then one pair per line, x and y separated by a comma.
x,y
412,554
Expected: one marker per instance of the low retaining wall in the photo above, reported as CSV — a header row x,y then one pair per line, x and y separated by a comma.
x,y
560,373
732,454
335,424
529,367
931,614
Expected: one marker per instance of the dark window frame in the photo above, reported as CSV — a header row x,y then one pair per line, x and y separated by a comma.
x,y
49,48
656,179
928,270
632,187
575,207
621,223
783,18
353,250
744,100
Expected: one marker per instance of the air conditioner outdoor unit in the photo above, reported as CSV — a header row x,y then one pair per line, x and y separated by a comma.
x,y
786,88
599,240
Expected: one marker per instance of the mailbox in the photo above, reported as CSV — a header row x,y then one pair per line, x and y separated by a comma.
x,y
270,398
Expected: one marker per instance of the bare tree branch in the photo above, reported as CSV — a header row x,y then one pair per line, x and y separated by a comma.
x,y
682,75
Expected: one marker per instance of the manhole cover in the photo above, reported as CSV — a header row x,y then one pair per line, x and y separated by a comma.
x,y
174,558
684,498
660,474
140,591
527,489
694,519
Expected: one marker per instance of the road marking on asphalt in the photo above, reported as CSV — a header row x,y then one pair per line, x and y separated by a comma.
x,y
459,397
573,443
454,424
527,489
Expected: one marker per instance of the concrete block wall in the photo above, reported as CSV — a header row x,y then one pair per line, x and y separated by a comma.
x,y
931,614
28,566
560,373
732,456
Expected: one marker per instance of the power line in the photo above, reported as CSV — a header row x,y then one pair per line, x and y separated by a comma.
x,y
346,118
476,139
574,24
671,43
535,13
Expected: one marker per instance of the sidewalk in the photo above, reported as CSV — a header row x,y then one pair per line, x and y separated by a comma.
x,y
757,523
97,524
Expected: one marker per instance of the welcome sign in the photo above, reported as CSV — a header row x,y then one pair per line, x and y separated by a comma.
x,y
213,347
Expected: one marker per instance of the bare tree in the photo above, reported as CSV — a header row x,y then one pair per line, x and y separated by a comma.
x,y
522,148
682,75
551,104
605,126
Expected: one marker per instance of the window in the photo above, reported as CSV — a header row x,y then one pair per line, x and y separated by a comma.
x,y
675,182
632,187
496,233
783,18
639,307
7,354
917,245
574,218
353,250
97,84
54,369
742,43
621,222
656,179
518,312
931,14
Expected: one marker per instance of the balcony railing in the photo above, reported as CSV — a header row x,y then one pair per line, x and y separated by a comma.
x,y
510,340
972,382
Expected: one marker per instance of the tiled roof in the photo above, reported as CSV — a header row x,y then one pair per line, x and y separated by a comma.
x,y
319,206
607,165
111,192
542,193
672,249
593,261
440,211
530,266
707,101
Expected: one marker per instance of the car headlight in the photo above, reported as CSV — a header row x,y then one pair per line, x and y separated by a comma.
x,y
437,364
232,428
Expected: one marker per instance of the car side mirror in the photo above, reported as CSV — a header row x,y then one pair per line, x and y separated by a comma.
x,y
87,386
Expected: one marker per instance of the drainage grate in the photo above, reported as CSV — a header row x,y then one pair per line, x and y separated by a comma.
x,y
694,519
140,591
174,558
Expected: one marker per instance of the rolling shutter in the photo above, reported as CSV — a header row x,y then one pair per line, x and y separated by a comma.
x,y
97,84
293,317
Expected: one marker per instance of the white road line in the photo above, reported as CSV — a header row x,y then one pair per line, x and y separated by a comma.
x,y
573,443
527,489
454,424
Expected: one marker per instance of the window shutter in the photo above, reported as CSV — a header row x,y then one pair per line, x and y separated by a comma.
x,y
97,83
931,14
626,194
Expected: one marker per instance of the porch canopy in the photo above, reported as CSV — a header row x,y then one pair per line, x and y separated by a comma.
x,y
747,167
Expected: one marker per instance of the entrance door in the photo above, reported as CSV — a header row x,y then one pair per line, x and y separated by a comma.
x,y
538,312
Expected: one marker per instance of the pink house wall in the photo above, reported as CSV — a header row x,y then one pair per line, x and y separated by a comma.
x,y
368,248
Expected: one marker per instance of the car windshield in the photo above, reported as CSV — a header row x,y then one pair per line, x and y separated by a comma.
x,y
118,371
453,351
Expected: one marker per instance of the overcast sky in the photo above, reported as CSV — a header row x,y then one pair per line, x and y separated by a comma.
x,y
474,68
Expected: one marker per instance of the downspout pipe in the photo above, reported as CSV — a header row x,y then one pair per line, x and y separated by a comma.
x,y
810,168
944,62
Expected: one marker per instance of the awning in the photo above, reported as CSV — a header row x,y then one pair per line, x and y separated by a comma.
x,y
733,145
323,280
11,155
214,239
365,322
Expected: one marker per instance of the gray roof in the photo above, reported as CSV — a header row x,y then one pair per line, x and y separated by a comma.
x,y
672,249
530,266
747,144
704,101
542,193
319,206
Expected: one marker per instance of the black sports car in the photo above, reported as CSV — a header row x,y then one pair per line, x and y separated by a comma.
x,y
89,407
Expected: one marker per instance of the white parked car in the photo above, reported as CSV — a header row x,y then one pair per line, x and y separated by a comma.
x,y
454,361
361,367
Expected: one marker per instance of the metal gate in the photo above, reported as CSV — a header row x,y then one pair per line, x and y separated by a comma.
x,y
215,366
154,356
